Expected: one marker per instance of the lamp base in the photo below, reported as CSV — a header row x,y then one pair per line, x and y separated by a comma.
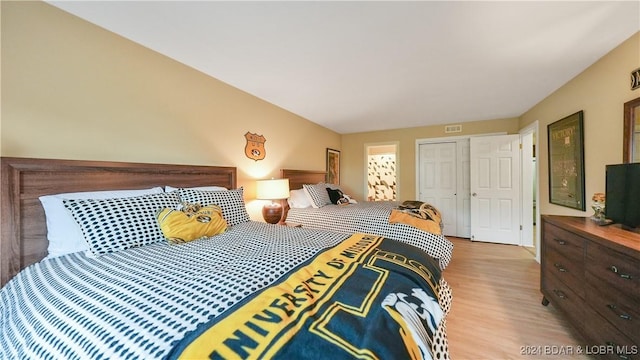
x,y
272,213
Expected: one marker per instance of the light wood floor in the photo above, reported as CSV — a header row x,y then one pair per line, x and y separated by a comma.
x,y
497,311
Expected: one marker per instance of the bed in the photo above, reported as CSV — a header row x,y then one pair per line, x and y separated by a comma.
x,y
363,216
255,290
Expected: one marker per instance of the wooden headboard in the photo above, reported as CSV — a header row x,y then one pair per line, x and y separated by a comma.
x,y
299,177
24,232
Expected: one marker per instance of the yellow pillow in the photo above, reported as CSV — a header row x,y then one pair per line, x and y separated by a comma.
x,y
197,222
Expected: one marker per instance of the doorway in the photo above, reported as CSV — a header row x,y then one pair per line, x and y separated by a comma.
x,y
530,189
382,172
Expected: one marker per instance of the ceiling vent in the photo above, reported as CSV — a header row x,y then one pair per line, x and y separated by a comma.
x,y
452,129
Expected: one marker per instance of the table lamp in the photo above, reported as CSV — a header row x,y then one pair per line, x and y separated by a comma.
x,y
273,189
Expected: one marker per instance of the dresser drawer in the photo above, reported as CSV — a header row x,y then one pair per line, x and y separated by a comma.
x,y
607,341
613,269
620,310
564,298
569,271
564,242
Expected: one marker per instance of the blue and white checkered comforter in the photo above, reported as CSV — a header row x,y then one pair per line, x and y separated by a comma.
x,y
372,217
139,303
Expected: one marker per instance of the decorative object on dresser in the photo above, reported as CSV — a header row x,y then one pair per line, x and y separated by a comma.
x,y
591,274
273,189
598,205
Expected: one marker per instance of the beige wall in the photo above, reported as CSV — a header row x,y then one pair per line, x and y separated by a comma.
x,y
72,90
600,91
353,152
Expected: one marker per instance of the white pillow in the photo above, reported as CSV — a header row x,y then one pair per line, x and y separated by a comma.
x,y
63,232
298,199
205,188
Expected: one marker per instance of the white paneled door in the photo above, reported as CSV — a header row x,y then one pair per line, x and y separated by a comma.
x,y
438,181
463,192
495,189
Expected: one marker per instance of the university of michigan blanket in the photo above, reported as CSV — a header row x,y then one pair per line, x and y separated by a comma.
x,y
368,297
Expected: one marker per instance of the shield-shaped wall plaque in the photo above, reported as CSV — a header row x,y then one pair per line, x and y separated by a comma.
x,y
255,146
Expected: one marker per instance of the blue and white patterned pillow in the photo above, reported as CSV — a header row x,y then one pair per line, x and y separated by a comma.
x,y
234,210
318,194
110,225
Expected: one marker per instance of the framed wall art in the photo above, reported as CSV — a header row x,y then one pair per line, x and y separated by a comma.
x,y
333,166
566,161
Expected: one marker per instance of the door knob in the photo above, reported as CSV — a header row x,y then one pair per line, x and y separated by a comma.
x,y
474,194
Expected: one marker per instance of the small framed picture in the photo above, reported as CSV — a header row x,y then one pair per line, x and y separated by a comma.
x,y
333,166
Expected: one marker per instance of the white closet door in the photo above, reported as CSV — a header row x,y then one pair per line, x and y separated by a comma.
x,y
438,181
463,192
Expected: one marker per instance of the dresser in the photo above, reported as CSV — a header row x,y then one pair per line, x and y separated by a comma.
x,y
591,274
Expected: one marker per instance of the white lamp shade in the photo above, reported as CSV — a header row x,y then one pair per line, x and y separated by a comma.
x,y
273,189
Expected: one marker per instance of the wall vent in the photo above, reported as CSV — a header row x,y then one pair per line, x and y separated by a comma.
x,y
452,128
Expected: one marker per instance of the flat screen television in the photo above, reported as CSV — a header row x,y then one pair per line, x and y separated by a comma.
x,y
623,195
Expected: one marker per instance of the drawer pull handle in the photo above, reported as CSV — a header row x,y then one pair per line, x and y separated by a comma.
x,y
560,267
622,316
615,346
559,294
560,241
615,270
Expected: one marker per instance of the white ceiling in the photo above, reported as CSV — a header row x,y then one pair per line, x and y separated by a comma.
x,y
363,66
